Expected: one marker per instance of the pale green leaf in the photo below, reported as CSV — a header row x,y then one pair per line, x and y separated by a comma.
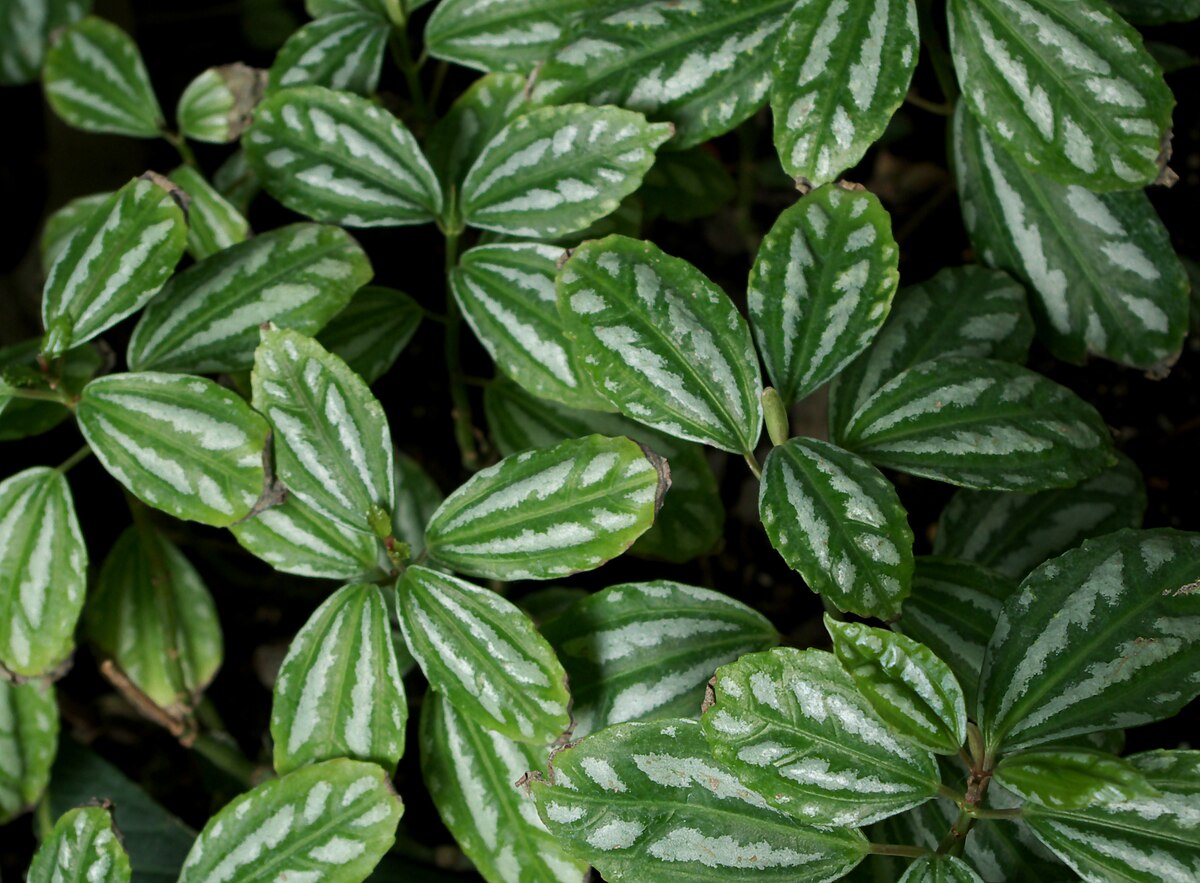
x,y
1157,12
837,521
343,51
792,724
551,512
456,140
644,651
821,287
372,330
981,423
25,29
62,224
43,572
217,104
339,692
178,443
95,80
683,185
471,774
333,448
662,343
331,821
28,741
1066,88
116,259
1099,638
484,655
648,801
554,170
22,417
338,157
1071,778
207,319
840,71
704,65
83,845
213,221
1103,277
940,869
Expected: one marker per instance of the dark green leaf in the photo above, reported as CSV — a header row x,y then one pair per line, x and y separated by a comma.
x,y
83,845
1059,778
25,29
213,222
940,869
457,139
372,330
683,185
342,51
28,740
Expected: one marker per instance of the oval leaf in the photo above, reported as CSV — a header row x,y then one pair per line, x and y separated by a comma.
x,y
684,185
178,443
28,742
1071,778
83,845
25,29
456,140
549,513
372,330
662,343
60,227
343,51
332,821
216,105
214,223
43,572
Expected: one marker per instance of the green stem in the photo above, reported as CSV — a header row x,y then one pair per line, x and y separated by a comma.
x,y
43,818
439,79
941,109
464,432
225,757
900,849
402,55
180,144
752,462
40,395
981,813
956,837
950,794
66,465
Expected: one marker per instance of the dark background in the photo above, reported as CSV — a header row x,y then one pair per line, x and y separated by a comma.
x,y
43,164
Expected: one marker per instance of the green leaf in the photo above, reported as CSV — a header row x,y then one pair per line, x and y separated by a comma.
x,y
1014,533
372,330
647,801
1067,89
456,140
339,692
839,523
821,287
62,224
213,222
905,683
792,724
555,170
507,295
1157,12
342,51
704,66
118,258
216,106
178,443
236,181
837,79
662,343
21,417
981,423
339,158
940,869
152,615
552,512
207,318
692,519
393,11
332,821
1174,772
644,651
95,80
417,498
953,611
28,739
83,845
333,448
484,655
25,29
1096,639
43,572
683,185
962,311
1071,778
471,774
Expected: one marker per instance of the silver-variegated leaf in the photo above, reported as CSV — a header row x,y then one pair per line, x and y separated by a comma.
x,y
28,743
372,330
60,227
507,295
95,80
484,655
1099,638
394,11
821,286
216,106
555,170
962,311
841,69
981,423
340,158
1157,12
940,869
644,651
471,774
1173,771
1014,533
153,617
704,65
339,692
793,726
648,801
1071,778
333,447
1102,274
839,523
342,51
1066,89
43,572
83,845
207,319
179,443
214,223
114,261
456,140
25,29
331,821
662,343
552,512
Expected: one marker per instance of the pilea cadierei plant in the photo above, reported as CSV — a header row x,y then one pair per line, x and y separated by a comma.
x,y
966,722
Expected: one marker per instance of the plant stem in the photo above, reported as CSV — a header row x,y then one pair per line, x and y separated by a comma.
x,y
40,395
402,55
464,432
981,813
752,462
74,459
952,795
901,849
43,818
226,758
439,78
943,109
180,144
